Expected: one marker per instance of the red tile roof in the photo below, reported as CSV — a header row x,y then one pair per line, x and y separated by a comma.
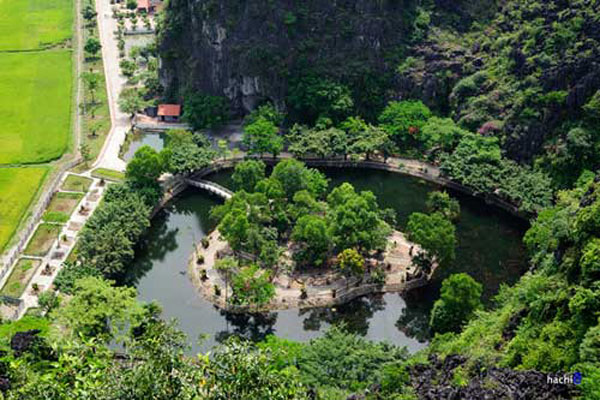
x,y
145,4
169,110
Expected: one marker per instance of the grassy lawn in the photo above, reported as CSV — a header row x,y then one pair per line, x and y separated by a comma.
x,y
75,183
9,328
35,105
18,187
61,207
108,174
20,277
42,240
32,24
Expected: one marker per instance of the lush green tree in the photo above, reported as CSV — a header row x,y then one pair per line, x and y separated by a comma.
x,y
344,360
48,300
266,111
434,233
351,262
355,219
205,111
364,139
442,203
89,13
106,241
145,167
271,188
98,310
247,174
403,121
312,234
234,227
131,4
91,81
92,46
305,203
441,134
131,101
261,136
315,142
592,108
70,273
252,286
294,176
186,152
311,97
128,68
240,371
460,296
590,260
589,350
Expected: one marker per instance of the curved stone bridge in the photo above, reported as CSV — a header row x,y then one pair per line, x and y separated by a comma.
x,y
211,187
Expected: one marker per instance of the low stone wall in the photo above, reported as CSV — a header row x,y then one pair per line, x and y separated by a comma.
x,y
301,291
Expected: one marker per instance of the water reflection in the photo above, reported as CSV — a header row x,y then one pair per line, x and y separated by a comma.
x,y
489,249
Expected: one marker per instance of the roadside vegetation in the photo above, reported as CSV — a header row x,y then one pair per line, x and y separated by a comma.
x,y
94,107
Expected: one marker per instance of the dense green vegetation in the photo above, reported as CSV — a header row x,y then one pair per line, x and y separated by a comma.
x,y
267,212
503,99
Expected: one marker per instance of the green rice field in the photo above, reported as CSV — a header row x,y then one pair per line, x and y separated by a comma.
x,y
18,187
35,106
34,24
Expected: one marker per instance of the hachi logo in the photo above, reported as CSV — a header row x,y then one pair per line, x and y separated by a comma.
x,y
565,379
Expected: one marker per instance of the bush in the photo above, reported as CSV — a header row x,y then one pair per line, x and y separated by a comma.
x,y
460,297
205,111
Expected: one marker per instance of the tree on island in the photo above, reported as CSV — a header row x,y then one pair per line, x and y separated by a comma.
x,y
435,234
294,176
355,219
288,210
351,262
252,286
312,233
442,203
247,174
460,297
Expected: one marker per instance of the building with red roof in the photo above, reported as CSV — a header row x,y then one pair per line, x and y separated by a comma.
x,y
145,5
169,112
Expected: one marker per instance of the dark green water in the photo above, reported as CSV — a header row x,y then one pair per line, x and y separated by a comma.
x,y
152,139
489,249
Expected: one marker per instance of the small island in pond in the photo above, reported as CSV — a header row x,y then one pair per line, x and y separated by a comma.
x,y
288,241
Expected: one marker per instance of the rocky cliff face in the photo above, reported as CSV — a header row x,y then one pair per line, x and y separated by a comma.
x,y
249,51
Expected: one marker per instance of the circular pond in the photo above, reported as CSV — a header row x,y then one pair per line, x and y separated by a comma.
x,y
489,249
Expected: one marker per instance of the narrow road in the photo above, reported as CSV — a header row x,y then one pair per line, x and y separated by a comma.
x,y
115,82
